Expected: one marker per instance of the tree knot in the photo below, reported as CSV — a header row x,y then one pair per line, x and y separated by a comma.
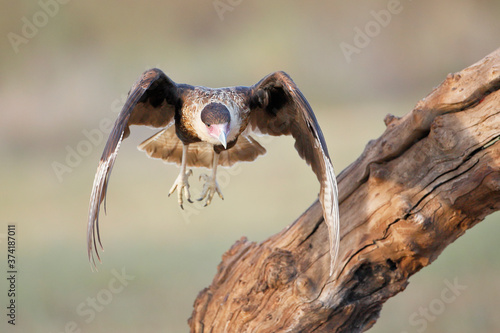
x,y
278,270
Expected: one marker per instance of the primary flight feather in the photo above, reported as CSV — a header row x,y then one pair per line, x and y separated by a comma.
x,y
206,127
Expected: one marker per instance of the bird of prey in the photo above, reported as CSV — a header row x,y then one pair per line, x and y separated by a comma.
x,y
207,127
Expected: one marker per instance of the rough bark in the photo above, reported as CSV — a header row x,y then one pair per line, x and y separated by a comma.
x,y
432,174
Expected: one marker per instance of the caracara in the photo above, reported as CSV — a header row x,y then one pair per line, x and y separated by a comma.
x,y
206,127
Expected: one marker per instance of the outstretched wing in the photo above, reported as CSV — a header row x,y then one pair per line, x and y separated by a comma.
x,y
152,101
279,108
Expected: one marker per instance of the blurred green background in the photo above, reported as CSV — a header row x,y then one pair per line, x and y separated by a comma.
x,y
69,70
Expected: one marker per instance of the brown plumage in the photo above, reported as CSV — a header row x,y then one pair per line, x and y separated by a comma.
x,y
205,127
166,145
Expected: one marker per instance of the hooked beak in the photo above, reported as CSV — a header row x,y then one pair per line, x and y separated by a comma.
x,y
220,131
222,139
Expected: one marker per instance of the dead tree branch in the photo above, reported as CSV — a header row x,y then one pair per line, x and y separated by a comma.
x,y
432,174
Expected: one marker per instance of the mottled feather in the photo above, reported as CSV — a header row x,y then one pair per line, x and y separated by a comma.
x,y
166,145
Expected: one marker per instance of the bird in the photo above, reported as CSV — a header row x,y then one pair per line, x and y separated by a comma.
x,y
212,127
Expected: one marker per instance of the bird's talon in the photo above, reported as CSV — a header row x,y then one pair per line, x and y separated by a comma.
x,y
209,189
182,186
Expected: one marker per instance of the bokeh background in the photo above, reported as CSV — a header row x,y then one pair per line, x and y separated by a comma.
x,y
69,71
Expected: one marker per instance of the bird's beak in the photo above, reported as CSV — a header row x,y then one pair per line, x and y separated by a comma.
x,y
222,138
220,131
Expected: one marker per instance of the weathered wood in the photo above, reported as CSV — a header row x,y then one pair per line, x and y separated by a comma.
x,y
432,174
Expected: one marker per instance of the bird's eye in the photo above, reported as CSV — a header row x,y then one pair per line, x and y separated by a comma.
x,y
208,125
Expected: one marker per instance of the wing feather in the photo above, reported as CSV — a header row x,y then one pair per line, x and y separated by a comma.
x,y
152,101
280,108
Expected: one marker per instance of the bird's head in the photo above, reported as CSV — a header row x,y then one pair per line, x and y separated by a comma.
x,y
216,118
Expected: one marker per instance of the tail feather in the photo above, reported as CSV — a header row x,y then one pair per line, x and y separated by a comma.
x,y
166,145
